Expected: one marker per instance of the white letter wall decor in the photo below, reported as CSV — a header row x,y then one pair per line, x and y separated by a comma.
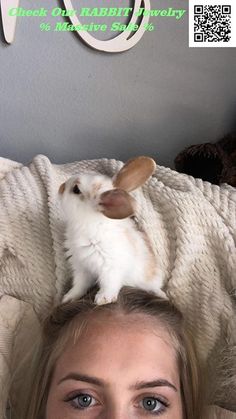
x,y
8,22
122,42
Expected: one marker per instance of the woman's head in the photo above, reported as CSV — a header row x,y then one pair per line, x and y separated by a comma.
x,y
128,359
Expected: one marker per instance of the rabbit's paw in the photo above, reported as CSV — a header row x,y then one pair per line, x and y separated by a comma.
x,y
102,298
162,294
69,296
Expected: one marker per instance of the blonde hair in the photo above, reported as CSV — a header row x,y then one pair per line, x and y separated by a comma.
x,y
62,325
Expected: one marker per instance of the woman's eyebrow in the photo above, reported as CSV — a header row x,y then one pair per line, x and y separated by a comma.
x,y
82,377
160,382
98,382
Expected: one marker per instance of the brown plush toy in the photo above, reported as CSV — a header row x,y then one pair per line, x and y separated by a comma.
x,y
215,163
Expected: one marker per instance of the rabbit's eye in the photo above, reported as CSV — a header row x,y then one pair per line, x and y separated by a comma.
x,y
76,189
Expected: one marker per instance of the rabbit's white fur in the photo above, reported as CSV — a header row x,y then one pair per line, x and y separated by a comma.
x,y
108,251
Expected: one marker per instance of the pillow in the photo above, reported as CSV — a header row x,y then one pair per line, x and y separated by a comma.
x,y
19,328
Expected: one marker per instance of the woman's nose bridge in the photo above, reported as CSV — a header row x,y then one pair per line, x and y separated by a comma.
x,y
118,410
119,402
119,414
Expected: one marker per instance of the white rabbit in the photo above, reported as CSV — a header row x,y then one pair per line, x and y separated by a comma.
x,y
102,241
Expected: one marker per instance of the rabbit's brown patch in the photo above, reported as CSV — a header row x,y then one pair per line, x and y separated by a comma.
x,y
151,268
151,263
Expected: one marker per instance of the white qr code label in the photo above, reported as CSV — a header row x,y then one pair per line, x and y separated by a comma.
x,y
212,23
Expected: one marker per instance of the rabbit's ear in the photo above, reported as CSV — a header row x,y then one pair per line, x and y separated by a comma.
x,y
62,188
134,173
117,203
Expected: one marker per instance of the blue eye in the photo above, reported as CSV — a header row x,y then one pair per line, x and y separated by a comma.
x,y
81,401
153,405
84,400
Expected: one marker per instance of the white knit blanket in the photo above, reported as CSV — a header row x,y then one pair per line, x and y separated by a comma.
x,y
191,223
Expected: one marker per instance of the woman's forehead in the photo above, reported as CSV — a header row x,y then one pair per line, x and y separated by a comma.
x,y
126,320
116,344
104,325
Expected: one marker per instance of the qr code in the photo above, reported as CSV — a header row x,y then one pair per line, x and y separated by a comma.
x,y
212,23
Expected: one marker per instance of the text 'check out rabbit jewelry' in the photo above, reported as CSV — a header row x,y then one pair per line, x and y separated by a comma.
x,y
122,42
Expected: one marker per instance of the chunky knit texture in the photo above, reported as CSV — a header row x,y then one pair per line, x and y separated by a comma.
x,y
191,224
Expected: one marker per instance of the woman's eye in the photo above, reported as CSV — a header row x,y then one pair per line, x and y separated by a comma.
x,y
153,405
82,401
76,189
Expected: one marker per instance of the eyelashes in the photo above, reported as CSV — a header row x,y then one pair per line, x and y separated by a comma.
x,y
150,404
84,398
153,401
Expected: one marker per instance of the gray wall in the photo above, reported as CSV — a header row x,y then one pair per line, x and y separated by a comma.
x,y
60,98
